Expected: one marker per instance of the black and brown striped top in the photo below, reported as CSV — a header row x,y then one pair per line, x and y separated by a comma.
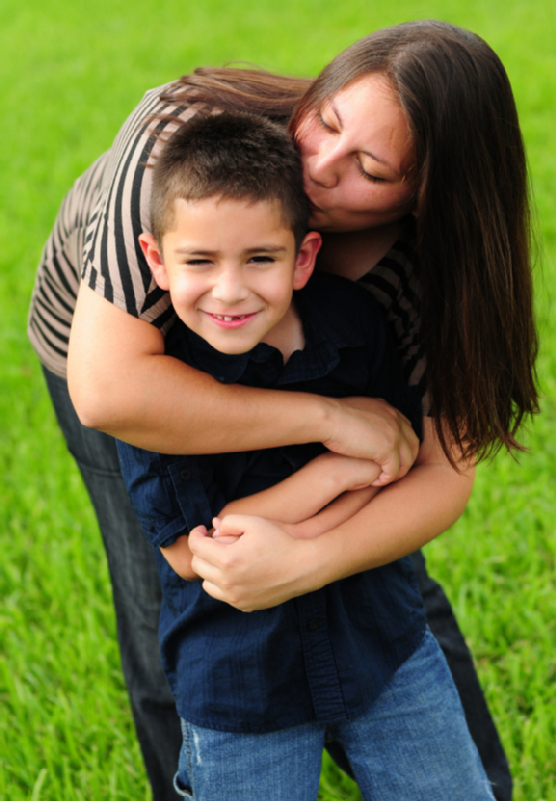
x,y
95,239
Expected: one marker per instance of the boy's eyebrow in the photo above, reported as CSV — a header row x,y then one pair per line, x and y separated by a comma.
x,y
266,249
185,251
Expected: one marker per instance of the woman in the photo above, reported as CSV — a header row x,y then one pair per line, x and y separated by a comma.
x,y
453,276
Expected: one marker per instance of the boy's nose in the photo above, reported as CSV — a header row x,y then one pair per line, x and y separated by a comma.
x,y
229,287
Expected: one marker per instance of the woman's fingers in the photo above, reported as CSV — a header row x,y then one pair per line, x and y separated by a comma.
x,y
372,429
261,569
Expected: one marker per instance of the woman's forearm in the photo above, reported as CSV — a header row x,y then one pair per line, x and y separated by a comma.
x,y
126,386
401,519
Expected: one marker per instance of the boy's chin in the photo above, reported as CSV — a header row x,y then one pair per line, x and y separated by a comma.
x,y
230,348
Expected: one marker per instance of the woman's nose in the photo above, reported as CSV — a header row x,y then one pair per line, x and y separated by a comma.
x,y
326,167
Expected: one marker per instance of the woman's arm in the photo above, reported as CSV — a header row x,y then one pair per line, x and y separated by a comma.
x,y
123,384
267,566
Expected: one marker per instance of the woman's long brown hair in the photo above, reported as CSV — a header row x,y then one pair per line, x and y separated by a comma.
x,y
473,218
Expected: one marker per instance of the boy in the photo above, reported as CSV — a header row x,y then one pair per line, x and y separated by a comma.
x,y
260,693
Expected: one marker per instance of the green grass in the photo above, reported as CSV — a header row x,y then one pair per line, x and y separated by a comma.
x,y
70,73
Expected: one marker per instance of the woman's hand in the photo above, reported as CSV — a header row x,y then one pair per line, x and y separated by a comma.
x,y
264,567
372,429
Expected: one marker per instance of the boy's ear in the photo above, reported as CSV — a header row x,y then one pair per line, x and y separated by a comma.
x,y
305,259
151,252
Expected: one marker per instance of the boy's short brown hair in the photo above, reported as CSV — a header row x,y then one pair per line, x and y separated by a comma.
x,y
235,156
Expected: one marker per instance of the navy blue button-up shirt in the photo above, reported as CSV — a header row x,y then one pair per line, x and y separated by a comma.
x,y
322,656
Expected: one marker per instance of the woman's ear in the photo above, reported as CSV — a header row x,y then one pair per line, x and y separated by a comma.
x,y
305,259
153,254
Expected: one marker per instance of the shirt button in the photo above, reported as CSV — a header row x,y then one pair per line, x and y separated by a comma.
x,y
313,624
185,475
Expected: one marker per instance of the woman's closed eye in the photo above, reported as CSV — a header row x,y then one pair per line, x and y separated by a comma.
x,y
328,125
367,175
332,126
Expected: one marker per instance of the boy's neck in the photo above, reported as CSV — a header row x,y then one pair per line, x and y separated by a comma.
x,y
287,335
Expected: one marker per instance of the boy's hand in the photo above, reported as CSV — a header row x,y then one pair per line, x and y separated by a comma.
x,y
348,473
179,556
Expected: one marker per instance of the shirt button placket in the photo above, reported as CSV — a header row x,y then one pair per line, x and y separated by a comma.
x,y
320,664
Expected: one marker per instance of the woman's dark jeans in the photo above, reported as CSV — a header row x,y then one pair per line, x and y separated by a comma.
x,y
136,592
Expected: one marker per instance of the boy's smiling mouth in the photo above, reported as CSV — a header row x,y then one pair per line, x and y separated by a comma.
x,y
229,320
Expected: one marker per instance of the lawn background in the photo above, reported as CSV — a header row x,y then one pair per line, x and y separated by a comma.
x,y
70,74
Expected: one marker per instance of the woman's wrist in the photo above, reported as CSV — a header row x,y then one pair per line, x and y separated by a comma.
x,y
369,428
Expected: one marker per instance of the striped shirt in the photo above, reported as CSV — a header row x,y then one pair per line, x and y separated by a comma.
x,y
95,240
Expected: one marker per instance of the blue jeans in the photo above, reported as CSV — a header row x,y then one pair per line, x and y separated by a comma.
x,y
137,603
136,592
413,744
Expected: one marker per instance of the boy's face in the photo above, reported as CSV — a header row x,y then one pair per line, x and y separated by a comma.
x,y
231,267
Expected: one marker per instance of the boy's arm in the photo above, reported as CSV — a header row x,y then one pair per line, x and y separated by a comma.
x,y
179,556
329,481
342,509
156,503
302,495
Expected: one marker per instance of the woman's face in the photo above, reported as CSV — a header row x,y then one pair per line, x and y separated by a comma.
x,y
357,158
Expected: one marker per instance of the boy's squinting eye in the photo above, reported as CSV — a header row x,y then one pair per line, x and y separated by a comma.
x,y
198,262
262,259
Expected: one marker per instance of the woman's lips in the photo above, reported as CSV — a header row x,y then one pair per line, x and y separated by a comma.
x,y
313,207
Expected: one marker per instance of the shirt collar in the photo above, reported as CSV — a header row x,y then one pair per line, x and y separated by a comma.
x,y
327,326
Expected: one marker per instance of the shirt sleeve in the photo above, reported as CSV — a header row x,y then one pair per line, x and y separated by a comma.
x,y
167,493
113,263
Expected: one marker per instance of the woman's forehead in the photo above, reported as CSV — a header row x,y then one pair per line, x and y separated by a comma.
x,y
369,113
